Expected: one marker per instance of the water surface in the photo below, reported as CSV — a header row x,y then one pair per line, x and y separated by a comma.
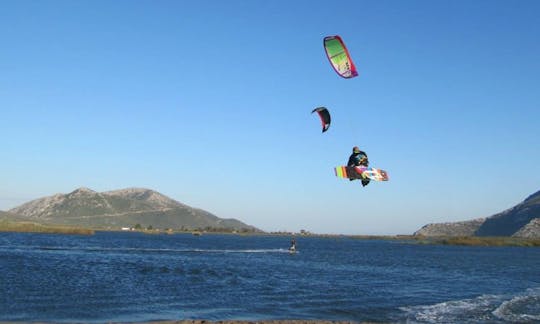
x,y
137,277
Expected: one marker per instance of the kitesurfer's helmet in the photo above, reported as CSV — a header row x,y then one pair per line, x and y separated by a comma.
x,y
356,149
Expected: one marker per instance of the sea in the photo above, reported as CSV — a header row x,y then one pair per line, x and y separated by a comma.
x,y
134,277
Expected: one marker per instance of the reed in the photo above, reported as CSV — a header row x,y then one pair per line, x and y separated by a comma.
x,y
30,227
456,240
481,241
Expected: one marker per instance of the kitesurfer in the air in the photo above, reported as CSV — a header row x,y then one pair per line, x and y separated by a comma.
x,y
359,158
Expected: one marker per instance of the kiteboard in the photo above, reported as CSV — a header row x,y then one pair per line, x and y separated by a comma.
x,y
360,172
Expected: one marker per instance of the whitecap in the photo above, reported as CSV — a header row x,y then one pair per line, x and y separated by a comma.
x,y
474,310
523,308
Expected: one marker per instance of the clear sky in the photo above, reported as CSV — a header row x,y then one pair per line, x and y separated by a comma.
x,y
209,103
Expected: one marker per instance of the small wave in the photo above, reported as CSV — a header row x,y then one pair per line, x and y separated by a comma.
x,y
234,250
452,311
259,251
150,250
523,308
520,308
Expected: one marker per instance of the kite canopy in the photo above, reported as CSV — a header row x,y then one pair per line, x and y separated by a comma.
x,y
339,57
324,114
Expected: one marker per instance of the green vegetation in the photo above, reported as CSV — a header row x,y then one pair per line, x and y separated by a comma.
x,y
455,240
479,241
29,227
200,230
382,237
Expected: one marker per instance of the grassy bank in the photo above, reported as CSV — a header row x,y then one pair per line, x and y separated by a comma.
x,y
479,241
30,227
456,240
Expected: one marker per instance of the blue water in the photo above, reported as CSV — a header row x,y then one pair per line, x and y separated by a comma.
x,y
138,277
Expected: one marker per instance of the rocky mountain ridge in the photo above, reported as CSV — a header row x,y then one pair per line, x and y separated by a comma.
x,y
121,208
464,228
522,220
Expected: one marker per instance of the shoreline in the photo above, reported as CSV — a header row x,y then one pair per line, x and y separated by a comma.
x,y
256,322
200,321
32,227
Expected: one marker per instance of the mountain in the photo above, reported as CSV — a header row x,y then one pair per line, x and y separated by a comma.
x,y
9,216
530,230
465,228
510,221
4,214
522,220
122,208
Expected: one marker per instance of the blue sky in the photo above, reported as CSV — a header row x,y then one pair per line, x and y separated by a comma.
x,y
209,102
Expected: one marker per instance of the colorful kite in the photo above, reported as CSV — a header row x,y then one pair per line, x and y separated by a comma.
x,y
339,57
324,114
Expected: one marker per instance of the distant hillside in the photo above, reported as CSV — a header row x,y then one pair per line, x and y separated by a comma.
x,y
530,230
510,221
522,220
466,228
122,208
8,216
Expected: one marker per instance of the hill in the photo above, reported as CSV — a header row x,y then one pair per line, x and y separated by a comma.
x,y
522,220
6,215
122,208
465,228
10,216
511,221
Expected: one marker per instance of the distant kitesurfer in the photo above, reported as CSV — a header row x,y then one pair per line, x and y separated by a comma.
x,y
293,245
359,158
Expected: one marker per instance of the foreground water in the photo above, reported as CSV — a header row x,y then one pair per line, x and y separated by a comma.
x,y
138,277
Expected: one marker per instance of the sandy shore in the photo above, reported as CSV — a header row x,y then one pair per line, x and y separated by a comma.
x,y
255,322
225,322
